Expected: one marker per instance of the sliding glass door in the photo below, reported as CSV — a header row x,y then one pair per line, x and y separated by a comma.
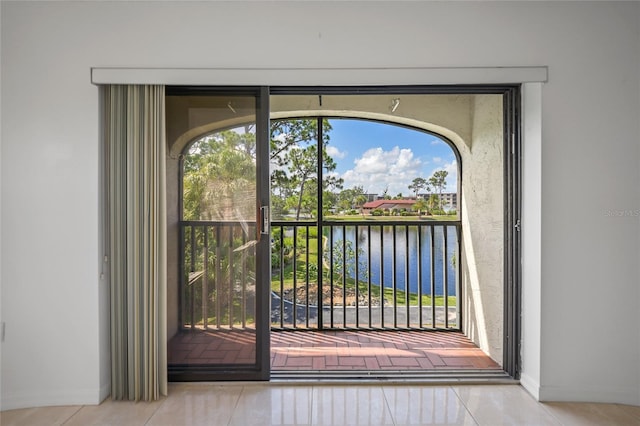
x,y
223,306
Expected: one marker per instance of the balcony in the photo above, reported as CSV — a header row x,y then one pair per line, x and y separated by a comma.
x,y
374,275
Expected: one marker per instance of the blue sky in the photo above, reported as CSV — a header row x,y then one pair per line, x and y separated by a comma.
x,y
377,155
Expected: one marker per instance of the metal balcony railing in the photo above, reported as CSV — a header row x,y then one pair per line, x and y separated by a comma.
x,y
363,274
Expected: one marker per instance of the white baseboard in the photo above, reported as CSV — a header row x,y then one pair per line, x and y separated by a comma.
x,y
105,392
614,395
39,398
530,385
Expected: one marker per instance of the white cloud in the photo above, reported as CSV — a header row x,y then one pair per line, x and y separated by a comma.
x,y
437,159
378,169
335,152
437,142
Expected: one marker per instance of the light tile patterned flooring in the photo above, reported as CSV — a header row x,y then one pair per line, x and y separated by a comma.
x,y
248,404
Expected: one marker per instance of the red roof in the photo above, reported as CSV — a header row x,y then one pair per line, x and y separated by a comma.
x,y
390,203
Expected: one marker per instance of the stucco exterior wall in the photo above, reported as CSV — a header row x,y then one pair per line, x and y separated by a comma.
x,y
483,227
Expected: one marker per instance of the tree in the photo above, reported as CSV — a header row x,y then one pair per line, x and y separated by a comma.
x,y
417,184
421,205
385,194
219,176
360,201
294,156
432,202
439,181
351,198
344,258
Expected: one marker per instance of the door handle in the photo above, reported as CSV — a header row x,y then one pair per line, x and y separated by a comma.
x,y
264,212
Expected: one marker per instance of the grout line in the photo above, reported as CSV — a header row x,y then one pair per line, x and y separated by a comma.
x,y
164,400
386,401
311,404
464,405
235,406
80,407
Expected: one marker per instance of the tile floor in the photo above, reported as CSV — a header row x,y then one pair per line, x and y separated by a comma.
x,y
326,404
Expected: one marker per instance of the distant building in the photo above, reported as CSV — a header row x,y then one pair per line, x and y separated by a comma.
x,y
389,205
449,199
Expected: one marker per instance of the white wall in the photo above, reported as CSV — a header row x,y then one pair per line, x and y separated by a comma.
x,y
531,235
1,317
52,293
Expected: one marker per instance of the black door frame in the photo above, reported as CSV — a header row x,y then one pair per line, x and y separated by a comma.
x,y
512,213
260,370
511,192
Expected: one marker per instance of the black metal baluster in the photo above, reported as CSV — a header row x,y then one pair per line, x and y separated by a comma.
x,y
394,284
295,276
419,272
331,275
432,273
306,292
445,276
369,300
218,284
281,276
407,287
192,286
230,228
357,291
344,276
243,265
381,255
205,279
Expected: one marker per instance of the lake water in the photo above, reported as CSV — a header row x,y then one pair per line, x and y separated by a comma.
x,y
384,254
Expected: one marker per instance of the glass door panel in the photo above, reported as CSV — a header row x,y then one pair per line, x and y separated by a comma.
x,y
223,237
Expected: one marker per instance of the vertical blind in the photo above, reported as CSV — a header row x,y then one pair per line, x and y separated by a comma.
x,y
136,175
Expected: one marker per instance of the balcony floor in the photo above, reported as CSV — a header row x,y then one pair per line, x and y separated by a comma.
x,y
375,351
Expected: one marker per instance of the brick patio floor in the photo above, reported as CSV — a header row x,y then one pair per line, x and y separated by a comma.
x,y
335,350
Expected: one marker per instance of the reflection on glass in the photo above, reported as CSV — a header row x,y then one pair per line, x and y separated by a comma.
x,y
219,176
219,239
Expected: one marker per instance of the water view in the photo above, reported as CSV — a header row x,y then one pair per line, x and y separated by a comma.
x,y
385,257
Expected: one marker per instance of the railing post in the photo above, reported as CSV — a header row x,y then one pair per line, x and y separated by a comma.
x,y
357,277
445,275
320,275
205,279
192,302
432,258
231,229
295,277
407,286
